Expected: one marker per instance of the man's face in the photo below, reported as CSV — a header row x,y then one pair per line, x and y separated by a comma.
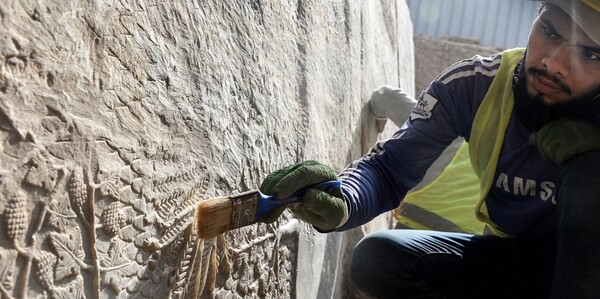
x,y
562,62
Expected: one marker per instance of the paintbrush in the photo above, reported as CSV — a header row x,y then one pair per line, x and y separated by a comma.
x,y
220,214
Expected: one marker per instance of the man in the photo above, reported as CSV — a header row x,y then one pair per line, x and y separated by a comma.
x,y
532,121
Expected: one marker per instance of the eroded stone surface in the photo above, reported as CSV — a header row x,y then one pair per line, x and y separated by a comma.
x,y
116,117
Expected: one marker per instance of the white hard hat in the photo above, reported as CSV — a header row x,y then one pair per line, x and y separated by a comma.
x,y
586,13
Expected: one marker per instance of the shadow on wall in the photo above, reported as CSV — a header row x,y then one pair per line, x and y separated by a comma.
x,y
340,246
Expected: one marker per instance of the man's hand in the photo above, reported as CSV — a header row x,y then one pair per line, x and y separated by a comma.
x,y
566,138
321,209
390,102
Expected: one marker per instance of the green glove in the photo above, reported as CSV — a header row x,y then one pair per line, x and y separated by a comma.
x,y
321,209
566,138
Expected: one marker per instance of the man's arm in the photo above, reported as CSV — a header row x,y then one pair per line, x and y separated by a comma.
x,y
378,181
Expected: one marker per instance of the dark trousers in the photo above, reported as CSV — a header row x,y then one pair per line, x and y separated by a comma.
x,y
428,264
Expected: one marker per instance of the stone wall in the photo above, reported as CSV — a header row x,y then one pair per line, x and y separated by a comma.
x,y
116,117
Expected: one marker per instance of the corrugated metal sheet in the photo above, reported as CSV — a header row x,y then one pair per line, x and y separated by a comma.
x,y
501,23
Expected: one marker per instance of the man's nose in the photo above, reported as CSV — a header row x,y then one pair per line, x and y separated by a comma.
x,y
558,60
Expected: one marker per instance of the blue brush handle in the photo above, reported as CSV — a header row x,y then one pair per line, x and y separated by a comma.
x,y
268,203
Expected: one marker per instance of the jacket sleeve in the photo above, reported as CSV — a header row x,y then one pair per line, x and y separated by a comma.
x,y
378,181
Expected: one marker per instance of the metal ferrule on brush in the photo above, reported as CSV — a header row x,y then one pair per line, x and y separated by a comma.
x,y
245,206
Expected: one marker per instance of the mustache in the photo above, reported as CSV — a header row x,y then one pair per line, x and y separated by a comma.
x,y
543,73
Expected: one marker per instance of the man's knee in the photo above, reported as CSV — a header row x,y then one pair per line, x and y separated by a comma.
x,y
580,176
586,163
380,263
365,259
579,190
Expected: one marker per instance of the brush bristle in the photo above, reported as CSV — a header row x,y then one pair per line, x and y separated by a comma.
x,y
213,216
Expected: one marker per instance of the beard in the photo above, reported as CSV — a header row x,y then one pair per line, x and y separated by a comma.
x,y
534,113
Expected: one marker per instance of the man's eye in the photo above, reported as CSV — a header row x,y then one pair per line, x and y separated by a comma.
x,y
549,32
589,54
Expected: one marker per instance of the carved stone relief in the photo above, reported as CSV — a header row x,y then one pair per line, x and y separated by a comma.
x,y
117,117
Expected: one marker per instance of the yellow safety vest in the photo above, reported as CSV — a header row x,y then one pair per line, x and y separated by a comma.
x,y
447,202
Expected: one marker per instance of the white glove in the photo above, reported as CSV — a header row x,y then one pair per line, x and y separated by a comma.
x,y
390,102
